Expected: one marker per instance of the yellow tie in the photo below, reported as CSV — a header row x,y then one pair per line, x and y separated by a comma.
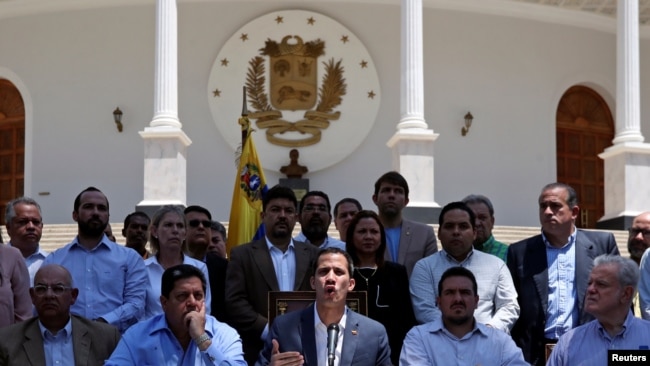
x,y
637,305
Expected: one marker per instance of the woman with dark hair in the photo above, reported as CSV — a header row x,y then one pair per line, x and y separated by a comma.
x,y
387,284
166,238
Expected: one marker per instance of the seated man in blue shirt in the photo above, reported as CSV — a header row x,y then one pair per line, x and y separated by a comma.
x,y
54,337
612,284
184,334
456,337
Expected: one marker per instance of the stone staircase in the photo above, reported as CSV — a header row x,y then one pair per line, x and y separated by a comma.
x,y
56,236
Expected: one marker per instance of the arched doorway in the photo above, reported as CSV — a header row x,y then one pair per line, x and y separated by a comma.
x,y
12,144
585,127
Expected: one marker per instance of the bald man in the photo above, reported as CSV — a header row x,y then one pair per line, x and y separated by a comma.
x,y
45,339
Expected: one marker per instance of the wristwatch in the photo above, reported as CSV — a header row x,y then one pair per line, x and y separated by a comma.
x,y
202,339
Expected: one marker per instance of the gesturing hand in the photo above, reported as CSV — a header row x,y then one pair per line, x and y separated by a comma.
x,y
284,358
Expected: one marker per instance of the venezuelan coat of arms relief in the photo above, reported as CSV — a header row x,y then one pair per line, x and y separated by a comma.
x,y
310,84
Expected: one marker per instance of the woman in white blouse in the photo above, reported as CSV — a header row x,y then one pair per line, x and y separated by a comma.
x,y
167,238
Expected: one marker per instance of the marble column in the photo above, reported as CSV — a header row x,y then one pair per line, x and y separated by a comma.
x,y
412,144
627,162
165,143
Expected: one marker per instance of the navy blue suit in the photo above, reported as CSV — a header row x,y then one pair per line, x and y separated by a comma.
x,y
529,269
365,342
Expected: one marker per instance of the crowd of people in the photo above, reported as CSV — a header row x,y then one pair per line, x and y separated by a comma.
x,y
172,295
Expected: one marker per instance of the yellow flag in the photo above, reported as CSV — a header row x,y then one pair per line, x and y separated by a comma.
x,y
250,187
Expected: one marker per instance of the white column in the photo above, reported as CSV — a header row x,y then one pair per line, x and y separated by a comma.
x,y
412,143
628,105
412,77
165,143
627,162
166,66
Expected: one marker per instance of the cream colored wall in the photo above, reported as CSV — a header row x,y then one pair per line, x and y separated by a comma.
x,y
78,66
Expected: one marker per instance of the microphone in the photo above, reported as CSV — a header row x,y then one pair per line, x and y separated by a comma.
x,y
332,339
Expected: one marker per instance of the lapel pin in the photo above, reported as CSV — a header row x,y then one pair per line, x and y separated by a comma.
x,y
355,332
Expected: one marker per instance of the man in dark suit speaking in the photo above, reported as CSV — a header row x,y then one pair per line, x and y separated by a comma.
x,y
274,263
45,339
303,337
551,271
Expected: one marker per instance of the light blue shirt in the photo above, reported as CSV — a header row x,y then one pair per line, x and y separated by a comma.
x,y
284,264
111,279
392,241
562,311
432,344
155,272
497,296
587,344
328,243
151,342
58,348
644,285
34,262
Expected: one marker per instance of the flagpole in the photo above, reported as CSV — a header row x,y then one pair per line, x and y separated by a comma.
x,y
244,121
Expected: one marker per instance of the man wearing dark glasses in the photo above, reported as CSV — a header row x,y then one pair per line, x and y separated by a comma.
x,y
55,337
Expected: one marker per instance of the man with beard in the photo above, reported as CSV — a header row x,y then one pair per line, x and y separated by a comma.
x,y
315,219
484,212
112,279
457,231
54,336
457,337
274,263
551,271
25,226
300,337
638,241
407,241
136,232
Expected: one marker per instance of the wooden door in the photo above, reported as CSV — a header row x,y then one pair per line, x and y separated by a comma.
x,y
12,145
585,127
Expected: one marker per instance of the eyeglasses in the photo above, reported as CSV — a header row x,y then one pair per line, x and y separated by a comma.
x,y
58,290
314,208
634,232
195,223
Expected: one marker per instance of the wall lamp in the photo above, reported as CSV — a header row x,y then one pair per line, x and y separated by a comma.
x,y
117,116
468,123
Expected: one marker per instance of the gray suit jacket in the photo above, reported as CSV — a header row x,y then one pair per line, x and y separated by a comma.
x,y
22,343
365,342
529,269
249,278
416,241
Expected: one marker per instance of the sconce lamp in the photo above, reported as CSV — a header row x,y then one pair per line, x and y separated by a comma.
x,y
468,123
117,116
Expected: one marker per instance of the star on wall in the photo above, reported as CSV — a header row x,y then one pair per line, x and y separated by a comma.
x,y
224,62
371,94
311,21
345,39
216,93
244,37
279,19
364,64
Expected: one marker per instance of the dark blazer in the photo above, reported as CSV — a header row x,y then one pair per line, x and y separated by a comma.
x,y
249,278
217,267
529,269
416,241
22,343
365,342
